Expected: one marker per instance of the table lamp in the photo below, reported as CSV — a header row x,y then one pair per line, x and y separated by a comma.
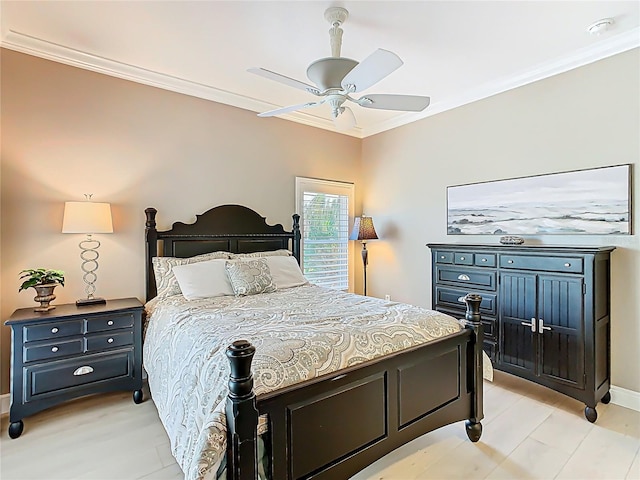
x,y
89,218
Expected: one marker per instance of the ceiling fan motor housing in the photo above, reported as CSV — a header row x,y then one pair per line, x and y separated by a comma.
x,y
327,73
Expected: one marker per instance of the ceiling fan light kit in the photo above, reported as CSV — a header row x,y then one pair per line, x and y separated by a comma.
x,y
336,78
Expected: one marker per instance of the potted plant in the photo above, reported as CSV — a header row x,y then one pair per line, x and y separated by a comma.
x,y
43,281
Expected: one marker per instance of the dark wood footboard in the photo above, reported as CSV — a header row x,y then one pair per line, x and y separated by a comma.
x,y
334,426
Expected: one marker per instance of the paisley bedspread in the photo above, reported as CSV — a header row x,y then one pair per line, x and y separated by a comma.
x,y
299,333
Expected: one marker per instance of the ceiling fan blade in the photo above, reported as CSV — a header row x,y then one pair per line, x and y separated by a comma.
x,y
291,108
371,70
345,120
283,79
407,103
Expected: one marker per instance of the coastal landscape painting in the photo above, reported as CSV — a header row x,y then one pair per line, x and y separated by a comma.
x,y
595,201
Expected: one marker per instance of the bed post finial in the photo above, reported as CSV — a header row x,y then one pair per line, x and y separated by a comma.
x,y
473,321
296,236
242,414
151,250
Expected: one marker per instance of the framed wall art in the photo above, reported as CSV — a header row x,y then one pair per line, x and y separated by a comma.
x,y
595,202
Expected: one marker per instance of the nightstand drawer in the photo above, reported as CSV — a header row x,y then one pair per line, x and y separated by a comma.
x,y
463,277
101,342
53,350
56,376
52,330
98,323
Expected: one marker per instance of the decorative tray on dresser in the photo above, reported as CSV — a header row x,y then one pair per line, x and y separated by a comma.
x,y
545,311
72,351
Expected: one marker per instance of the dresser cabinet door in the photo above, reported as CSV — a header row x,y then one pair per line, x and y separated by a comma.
x,y
517,309
561,339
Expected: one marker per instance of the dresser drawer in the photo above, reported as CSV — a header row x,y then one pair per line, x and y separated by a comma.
x,y
464,277
444,257
43,331
62,374
547,264
484,259
99,323
463,258
53,350
102,342
453,297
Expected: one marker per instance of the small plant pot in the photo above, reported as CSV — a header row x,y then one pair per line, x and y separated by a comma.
x,y
45,296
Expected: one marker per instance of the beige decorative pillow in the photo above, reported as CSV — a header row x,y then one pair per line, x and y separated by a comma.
x,y
249,277
268,253
166,281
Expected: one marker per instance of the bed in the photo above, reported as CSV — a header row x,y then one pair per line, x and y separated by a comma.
x,y
324,404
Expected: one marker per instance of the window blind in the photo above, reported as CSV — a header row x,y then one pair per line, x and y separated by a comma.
x,y
325,211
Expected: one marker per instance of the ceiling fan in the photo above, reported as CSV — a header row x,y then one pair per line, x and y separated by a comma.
x,y
336,78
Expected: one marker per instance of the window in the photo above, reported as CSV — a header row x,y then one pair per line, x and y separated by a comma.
x,y
326,209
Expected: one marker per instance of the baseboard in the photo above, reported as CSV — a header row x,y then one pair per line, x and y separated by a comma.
x,y
625,398
4,403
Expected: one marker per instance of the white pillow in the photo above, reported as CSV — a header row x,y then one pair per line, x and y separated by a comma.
x,y
285,272
166,282
266,253
203,279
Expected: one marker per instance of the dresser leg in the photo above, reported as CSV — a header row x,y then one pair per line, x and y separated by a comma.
x,y
474,430
16,428
591,414
138,396
607,398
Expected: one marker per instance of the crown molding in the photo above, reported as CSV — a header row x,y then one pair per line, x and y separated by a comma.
x,y
30,45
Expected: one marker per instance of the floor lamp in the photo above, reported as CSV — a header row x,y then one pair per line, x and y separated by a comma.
x,y
89,218
364,230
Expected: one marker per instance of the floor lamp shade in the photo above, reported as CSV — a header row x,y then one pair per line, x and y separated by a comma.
x,y
88,218
364,230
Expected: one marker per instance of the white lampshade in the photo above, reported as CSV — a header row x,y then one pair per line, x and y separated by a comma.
x,y
87,217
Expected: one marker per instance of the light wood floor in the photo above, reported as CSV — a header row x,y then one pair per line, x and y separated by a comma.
x,y
529,432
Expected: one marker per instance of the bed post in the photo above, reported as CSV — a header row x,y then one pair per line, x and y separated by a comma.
x,y
151,250
473,322
242,414
296,237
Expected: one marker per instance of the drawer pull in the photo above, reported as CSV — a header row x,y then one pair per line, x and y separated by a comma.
x,y
54,349
567,265
110,340
110,322
461,299
83,370
484,260
461,258
509,261
462,276
442,257
54,330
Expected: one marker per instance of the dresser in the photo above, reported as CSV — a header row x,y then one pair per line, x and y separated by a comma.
x,y
72,351
545,311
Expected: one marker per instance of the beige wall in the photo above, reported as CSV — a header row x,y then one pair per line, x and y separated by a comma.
x,y
68,131
588,117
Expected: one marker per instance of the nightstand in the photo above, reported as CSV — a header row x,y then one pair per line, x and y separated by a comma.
x,y
73,351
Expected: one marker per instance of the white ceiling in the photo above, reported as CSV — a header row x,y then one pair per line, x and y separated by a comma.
x,y
455,52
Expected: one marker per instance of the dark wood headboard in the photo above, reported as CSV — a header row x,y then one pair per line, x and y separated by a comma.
x,y
229,228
